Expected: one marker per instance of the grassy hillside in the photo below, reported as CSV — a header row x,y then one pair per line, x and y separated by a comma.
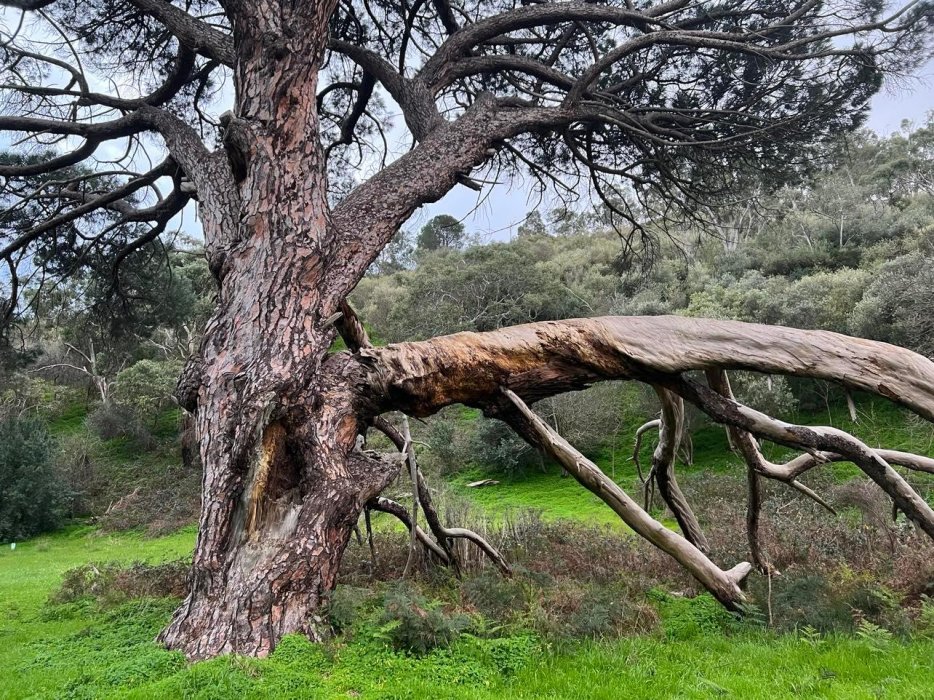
x,y
881,424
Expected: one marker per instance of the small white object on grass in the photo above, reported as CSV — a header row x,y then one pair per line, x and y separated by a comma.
x,y
12,545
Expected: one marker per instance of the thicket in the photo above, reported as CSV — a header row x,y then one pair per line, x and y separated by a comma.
x,y
33,498
572,581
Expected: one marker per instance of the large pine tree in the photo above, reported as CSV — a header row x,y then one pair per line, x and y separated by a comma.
x,y
661,105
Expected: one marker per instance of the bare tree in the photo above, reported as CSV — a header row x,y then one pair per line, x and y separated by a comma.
x,y
660,105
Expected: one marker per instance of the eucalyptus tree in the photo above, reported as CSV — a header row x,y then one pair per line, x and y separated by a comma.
x,y
661,103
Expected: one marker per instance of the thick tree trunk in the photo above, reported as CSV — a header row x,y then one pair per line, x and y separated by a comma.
x,y
283,485
278,419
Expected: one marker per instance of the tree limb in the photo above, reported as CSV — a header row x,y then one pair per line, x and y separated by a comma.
x,y
663,468
723,585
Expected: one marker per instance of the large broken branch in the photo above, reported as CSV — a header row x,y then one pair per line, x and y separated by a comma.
x,y
538,360
500,371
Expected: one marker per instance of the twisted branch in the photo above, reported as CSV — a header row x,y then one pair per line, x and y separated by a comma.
x,y
442,534
663,468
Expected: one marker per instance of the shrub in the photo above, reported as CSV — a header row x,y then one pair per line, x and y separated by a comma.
x,y
494,596
113,584
496,445
414,624
897,305
689,618
110,421
146,387
841,602
160,508
76,462
345,606
33,498
765,393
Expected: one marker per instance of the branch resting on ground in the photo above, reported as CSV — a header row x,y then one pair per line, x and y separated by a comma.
x,y
724,585
442,534
499,371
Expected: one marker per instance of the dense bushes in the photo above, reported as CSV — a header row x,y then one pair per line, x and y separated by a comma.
x,y
33,498
110,421
147,386
897,304
111,584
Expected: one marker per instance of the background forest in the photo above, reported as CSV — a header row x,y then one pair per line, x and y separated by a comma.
x,y
91,441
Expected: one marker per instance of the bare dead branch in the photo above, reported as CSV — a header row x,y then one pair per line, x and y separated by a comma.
x,y
663,468
723,585
386,505
637,448
442,533
812,438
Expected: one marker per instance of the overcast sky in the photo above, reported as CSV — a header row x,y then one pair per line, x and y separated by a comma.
x,y
494,214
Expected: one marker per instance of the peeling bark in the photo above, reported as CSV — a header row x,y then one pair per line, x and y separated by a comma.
x,y
538,360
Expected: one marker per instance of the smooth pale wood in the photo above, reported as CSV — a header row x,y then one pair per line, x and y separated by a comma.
x,y
540,359
663,468
726,410
482,482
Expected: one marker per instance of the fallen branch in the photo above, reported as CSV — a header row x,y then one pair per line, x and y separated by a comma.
x,y
663,468
723,585
813,439
385,505
494,370
442,534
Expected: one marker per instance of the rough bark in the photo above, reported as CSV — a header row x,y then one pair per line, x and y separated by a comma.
x,y
283,482
278,421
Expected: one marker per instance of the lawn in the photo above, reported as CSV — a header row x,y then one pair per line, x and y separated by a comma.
x,y
79,650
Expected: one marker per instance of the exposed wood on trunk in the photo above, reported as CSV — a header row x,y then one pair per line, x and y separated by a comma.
x,y
537,360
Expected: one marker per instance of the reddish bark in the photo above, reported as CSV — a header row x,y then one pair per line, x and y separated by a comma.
x,y
282,486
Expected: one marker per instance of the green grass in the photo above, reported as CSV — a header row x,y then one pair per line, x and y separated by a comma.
x,y
554,496
79,651
70,420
